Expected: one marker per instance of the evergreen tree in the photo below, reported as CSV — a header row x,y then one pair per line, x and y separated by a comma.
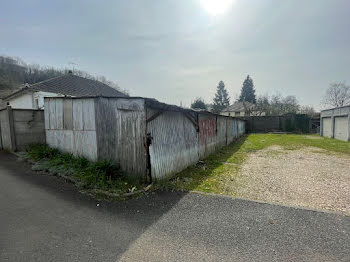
x,y
199,104
221,99
248,91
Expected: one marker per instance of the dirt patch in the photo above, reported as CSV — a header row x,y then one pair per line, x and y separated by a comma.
x,y
307,177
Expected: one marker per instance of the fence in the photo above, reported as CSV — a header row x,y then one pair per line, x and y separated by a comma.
x,y
285,123
143,136
20,128
335,123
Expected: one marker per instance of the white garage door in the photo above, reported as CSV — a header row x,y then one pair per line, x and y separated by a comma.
x,y
327,127
341,127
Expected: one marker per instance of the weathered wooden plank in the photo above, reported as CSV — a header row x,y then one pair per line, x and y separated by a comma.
x,y
78,123
59,113
52,114
85,144
68,114
89,114
47,113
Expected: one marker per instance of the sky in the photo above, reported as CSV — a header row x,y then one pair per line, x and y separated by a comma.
x,y
177,50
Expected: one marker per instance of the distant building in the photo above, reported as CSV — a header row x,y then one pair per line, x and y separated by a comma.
x,y
241,109
32,96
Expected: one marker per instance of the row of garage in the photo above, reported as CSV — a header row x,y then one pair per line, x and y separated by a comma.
x,y
335,123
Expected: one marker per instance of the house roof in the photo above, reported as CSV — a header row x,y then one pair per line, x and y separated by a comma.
x,y
239,107
71,85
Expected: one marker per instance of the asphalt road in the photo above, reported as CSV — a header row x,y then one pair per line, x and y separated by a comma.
x,y
43,218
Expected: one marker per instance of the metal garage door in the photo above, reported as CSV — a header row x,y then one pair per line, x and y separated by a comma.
x,y
327,127
341,127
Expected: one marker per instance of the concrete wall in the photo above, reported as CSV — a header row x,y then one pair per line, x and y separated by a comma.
x,y
7,140
29,127
335,123
21,127
70,126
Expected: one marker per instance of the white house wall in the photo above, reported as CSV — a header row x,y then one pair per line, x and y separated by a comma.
x,y
23,101
40,97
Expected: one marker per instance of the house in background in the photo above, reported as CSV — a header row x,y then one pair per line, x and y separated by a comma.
x,y
32,96
241,109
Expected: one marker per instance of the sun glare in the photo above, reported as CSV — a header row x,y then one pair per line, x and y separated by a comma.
x,y
216,7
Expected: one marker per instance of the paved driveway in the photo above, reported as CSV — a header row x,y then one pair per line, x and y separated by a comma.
x,y
44,219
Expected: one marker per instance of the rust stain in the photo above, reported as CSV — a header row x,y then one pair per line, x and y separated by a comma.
x,y
207,128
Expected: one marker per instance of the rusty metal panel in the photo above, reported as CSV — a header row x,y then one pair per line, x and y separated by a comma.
x,y
174,145
207,134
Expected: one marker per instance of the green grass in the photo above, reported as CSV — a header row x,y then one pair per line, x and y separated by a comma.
x,y
218,173
89,175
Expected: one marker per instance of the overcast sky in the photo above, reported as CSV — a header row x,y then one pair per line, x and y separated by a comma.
x,y
177,50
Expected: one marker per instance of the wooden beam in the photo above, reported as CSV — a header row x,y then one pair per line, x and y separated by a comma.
x,y
154,116
192,120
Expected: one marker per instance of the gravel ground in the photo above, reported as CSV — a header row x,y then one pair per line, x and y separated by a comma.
x,y
308,177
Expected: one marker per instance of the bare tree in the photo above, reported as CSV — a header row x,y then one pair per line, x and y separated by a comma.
x,y
308,110
337,94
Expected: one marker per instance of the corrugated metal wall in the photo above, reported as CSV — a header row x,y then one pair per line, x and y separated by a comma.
x,y
207,134
174,145
70,126
178,143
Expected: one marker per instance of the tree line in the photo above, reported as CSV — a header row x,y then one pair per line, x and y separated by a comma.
x,y
14,72
338,94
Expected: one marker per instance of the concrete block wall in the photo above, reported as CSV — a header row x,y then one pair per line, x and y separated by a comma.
x,y
21,127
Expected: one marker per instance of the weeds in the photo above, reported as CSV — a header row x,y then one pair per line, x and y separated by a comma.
x,y
89,175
